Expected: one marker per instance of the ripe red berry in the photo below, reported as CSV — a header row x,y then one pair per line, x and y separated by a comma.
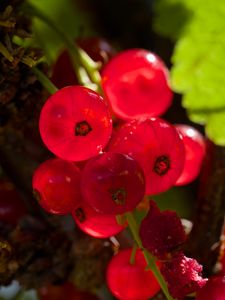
x,y
95,224
97,48
131,281
75,123
56,184
113,183
157,146
65,291
136,84
213,290
194,153
12,207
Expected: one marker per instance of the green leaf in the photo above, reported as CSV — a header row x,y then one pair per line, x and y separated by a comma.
x,y
215,128
198,59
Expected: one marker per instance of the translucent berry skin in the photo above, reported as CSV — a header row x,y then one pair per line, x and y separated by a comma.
x,y
95,224
12,207
113,183
75,123
97,48
56,185
213,290
130,281
136,84
194,144
157,146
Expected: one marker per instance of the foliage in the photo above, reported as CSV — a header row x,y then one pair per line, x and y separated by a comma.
x,y
198,59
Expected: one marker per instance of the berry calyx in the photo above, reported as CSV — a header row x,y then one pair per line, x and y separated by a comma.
x,y
194,144
157,146
135,83
75,123
56,185
161,165
131,281
113,183
95,224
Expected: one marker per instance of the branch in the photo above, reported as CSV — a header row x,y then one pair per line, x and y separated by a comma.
x,y
204,239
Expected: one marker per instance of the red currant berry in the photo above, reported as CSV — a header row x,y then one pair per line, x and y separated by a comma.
x,y
95,224
75,123
56,185
66,291
12,207
113,183
97,48
194,153
157,146
136,84
131,281
213,290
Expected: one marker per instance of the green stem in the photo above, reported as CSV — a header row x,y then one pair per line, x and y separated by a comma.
x,y
84,67
148,257
133,254
50,87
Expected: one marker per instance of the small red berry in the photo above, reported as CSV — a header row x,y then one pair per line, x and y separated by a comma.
x,y
56,185
97,48
194,144
131,281
12,207
75,123
213,290
113,183
95,224
66,291
157,146
136,84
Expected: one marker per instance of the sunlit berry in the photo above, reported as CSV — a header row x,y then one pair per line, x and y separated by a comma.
x,y
135,83
213,290
129,281
95,224
56,185
194,153
75,123
157,146
113,183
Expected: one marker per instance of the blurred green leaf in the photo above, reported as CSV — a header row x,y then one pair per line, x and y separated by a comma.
x,y
198,70
179,199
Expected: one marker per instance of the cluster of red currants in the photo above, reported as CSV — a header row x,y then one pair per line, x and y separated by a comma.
x,y
111,152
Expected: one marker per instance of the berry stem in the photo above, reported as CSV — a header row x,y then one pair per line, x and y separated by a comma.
x,y
7,24
132,223
133,254
85,68
50,87
4,51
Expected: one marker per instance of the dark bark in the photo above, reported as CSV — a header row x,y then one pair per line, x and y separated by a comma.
x,y
204,240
